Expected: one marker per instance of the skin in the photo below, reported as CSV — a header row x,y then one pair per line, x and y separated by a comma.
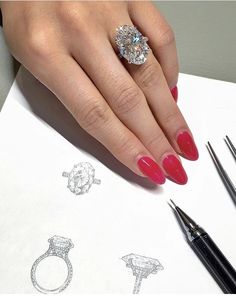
x,y
69,47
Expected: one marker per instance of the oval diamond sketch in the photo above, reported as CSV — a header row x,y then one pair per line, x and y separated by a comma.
x,y
81,178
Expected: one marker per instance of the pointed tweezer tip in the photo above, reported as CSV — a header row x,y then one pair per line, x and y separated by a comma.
x,y
209,148
208,144
229,142
172,204
226,139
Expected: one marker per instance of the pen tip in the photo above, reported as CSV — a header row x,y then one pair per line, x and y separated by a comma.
x,y
172,204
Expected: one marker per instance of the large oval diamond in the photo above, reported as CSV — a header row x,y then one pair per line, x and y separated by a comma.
x,y
132,44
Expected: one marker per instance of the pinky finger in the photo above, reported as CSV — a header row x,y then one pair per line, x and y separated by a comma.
x,y
161,40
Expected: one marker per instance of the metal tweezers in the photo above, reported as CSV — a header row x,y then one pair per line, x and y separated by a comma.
x,y
221,171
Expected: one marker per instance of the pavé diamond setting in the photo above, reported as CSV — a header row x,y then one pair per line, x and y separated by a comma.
x,y
132,44
58,246
141,267
81,178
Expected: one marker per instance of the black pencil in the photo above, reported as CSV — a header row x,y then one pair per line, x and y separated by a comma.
x,y
210,255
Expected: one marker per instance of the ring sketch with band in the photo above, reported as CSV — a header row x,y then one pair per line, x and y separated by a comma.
x,y
59,247
141,267
81,178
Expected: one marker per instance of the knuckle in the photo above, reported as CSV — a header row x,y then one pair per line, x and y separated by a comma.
x,y
174,71
125,147
171,118
70,15
171,74
158,140
93,116
38,43
150,75
166,36
67,12
175,68
127,99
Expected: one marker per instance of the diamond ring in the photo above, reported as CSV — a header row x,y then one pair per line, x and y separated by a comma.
x,y
132,44
58,246
81,178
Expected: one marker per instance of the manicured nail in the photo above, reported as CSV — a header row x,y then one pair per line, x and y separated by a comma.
x,y
174,92
151,169
187,145
174,169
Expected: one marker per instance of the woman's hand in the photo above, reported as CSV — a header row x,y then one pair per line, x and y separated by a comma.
x,y
70,48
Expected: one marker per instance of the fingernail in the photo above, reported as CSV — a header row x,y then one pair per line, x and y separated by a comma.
x,y
151,169
174,169
174,92
187,145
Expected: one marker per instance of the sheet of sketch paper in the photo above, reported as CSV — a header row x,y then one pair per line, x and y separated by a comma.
x,y
58,182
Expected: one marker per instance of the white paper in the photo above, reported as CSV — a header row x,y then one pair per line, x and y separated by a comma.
x,y
124,214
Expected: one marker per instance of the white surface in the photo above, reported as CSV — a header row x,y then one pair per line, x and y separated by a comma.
x,y
39,140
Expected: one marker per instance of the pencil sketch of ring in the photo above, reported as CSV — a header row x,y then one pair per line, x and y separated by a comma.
x,y
59,247
141,267
81,178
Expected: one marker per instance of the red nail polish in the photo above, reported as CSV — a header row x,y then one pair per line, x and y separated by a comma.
x,y
174,92
187,145
174,169
151,169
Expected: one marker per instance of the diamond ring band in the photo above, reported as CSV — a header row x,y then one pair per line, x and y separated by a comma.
x,y
132,44
59,247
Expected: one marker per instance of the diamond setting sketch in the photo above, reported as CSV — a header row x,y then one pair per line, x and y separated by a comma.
x,y
58,246
141,266
81,178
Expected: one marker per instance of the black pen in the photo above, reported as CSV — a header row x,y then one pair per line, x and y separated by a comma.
x,y
210,255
